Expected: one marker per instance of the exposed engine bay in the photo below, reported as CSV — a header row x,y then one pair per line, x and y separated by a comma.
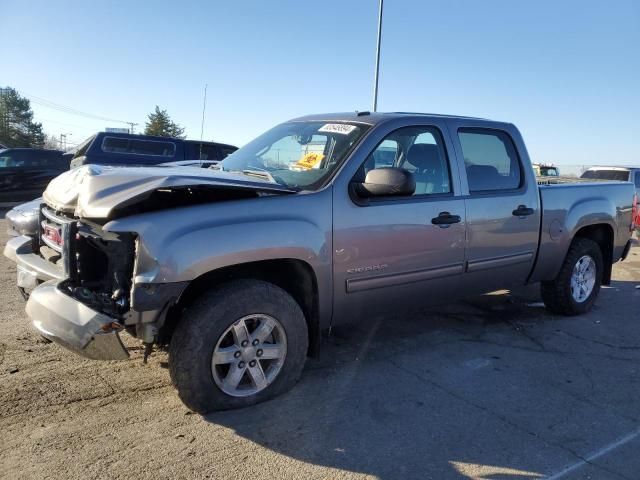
x,y
99,266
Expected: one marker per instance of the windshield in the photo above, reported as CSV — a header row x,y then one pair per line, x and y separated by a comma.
x,y
620,175
299,155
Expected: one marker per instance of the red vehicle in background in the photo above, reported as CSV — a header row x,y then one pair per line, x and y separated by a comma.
x,y
635,215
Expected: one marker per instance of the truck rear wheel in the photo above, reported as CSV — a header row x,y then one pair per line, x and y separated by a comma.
x,y
240,345
578,283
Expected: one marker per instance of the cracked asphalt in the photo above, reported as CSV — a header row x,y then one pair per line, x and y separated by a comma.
x,y
491,388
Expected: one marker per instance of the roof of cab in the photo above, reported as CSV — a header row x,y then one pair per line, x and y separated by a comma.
x,y
373,118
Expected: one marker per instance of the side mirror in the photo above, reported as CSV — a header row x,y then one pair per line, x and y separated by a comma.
x,y
386,182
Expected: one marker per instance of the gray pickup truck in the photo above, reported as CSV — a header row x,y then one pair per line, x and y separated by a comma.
x,y
322,220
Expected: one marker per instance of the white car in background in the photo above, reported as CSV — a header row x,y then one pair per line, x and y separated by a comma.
x,y
620,174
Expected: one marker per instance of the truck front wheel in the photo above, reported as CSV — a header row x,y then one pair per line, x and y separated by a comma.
x,y
578,283
240,345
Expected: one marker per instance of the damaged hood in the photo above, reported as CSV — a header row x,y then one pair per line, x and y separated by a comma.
x,y
94,191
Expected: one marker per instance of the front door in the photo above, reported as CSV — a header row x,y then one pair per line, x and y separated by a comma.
x,y
393,253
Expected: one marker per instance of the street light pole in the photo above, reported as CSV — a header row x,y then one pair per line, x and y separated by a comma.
x,y
375,81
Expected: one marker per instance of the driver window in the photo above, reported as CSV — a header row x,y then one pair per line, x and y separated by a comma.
x,y
425,158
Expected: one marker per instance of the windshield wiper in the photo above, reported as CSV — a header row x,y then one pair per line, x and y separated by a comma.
x,y
259,173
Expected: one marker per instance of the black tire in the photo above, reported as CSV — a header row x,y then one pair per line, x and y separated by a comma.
x,y
557,293
203,323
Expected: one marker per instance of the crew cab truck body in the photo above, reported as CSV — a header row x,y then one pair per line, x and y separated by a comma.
x,y
239,271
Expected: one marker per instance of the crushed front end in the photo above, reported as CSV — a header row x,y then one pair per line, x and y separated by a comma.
x,y
86,310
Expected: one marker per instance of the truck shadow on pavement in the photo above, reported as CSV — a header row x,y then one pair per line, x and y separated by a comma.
x,y
495,387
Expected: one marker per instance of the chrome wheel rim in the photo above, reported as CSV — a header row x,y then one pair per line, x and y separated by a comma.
x,y
249,355
583,278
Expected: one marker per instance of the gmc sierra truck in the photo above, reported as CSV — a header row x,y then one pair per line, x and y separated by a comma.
x,y
322,220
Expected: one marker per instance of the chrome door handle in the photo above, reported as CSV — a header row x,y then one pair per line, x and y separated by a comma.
x,y
523,211
444,219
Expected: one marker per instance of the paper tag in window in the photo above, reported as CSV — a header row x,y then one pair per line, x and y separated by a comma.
x,y
308,161
340,128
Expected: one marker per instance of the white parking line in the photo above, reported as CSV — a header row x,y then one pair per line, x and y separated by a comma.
x,y
600,453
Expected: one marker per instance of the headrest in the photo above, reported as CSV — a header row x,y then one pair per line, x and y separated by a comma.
x,y
424,156
483,177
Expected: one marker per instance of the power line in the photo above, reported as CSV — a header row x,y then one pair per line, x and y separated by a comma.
x,y
48,120
62,108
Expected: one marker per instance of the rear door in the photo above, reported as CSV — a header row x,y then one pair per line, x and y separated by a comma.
x,y
392,253
502,205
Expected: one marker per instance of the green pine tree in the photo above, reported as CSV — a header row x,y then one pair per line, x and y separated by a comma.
x,y
159,123
17,128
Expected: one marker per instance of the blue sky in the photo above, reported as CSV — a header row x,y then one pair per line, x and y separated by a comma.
x,y
567,73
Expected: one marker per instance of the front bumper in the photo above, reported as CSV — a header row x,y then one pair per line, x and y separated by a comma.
x,y
73,325
32,268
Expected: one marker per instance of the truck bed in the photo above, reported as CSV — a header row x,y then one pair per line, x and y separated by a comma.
x,y
567,207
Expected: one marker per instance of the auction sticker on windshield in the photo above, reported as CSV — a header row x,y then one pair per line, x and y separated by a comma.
x,y
337,128
309,160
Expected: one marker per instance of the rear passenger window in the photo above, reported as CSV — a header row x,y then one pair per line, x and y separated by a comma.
x,y
638,179
209,152
490,159
420,150
138,147
226,151
201,151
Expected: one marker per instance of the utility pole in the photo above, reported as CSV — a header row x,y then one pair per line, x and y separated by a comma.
x,y
63,138
375,81
132,125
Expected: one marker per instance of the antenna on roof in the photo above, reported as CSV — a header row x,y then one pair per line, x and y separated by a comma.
x,y
204,107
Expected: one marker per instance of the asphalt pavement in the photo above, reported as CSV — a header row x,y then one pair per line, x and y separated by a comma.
x,y
491,388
